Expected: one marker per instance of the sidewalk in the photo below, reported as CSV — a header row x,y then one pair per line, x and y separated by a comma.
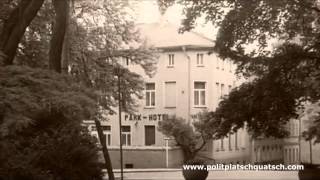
x,y
176,174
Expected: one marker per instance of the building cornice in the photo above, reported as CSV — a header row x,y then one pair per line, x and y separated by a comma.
x,y
186,48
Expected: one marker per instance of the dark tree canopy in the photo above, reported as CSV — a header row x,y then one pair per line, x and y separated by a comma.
x,y
279,78
41,136
80,39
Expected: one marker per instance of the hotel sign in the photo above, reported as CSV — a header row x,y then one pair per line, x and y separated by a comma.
x,y
149,117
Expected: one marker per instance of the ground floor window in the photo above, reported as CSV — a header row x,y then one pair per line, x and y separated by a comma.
x,y
106,137
222,144
126,135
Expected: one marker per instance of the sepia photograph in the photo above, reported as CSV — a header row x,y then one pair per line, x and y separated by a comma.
x,y
159,90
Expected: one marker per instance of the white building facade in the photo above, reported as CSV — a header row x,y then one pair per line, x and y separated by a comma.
x,y
190,78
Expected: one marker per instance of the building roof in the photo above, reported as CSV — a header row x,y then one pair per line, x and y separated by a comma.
x,y
166,35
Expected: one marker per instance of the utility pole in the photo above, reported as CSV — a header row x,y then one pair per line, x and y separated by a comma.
x,y
310,144
120,123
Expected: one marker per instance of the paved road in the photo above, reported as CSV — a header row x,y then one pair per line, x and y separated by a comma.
x,y
213,175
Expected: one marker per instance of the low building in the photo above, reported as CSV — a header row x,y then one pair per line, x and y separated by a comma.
x,y
291,154
310,152
267,151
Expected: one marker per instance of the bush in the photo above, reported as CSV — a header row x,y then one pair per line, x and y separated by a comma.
x,y
190,140
41,137
61,152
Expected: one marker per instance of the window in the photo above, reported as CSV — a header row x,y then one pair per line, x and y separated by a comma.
x,y
126,135
289,155
170,94
222,144
291,130
222,91
218,91
150,135
199,93
93,131
150,94
171,60
236,140
297,128
127,61
200,60
106,137
229,88
223,63
218,63
109,60
286,155
230,142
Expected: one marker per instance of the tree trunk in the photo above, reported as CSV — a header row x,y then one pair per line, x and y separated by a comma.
x,y
105,151
66,45
310,145
59,30
187,154
16,25
106,156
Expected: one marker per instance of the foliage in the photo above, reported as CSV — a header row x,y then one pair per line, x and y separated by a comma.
x,y
279,77
31,96
90,54
102,38
40,126
95,33
310,118
61,151
164,4
191,141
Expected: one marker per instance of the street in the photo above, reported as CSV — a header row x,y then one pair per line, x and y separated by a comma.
x,y
176,174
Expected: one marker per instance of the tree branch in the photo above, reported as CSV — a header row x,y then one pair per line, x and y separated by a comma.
x,y
11,22
16,31
315,9
204,142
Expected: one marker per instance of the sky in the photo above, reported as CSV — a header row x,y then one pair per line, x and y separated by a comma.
x,y
146,11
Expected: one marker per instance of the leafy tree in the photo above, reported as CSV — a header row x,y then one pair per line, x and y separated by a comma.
x,y
83,52
40,126
99,47
190,138
96,31
310,117
164,4
279,78
15,25
60,151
